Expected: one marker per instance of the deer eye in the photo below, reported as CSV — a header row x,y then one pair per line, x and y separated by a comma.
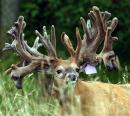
x,y
46,66
59,71
77,69
111,56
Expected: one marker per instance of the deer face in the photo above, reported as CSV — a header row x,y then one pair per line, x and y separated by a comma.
x,y
111,61
66,72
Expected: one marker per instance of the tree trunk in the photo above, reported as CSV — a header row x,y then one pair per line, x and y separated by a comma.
x,y
9,10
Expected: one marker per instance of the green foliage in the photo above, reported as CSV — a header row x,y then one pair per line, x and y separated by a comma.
x,y
65,15
122,76
28,101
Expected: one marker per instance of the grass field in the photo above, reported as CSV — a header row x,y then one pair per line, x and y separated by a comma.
x,y
30,101
26,102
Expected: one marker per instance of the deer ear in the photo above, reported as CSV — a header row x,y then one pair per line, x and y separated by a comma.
x,y
53,61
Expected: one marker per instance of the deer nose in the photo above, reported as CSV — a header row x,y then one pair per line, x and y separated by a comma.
x,y
109,68
72,77
18,84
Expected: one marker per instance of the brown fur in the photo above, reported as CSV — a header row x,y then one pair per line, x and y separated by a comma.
x,y
91,98
102,99
98,99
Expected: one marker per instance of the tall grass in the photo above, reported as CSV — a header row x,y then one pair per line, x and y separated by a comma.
x,y
30,101
26,102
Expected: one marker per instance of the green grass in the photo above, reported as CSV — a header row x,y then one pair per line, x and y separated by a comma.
x,y
26,102
30,101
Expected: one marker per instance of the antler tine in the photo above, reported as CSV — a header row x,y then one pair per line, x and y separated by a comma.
x,y
67,43
53,36
51,48
79,43
94,24
108,38
106,15
12,46
17,32
90,29
34,50
46,42
20,25
43,38
36,43
92,17
51,51
85,29
95,30
99,19
22,41
114,23
9,46
100,24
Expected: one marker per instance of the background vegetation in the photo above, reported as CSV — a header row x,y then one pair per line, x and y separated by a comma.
x,y
65,15
30,101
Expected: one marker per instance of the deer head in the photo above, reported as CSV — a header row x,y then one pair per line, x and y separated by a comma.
x,y
97,30
67,71
82,98
31,59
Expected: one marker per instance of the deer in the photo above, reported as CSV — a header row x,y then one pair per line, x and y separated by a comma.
x,y
81,98
31,60
92,98
87,55
94,35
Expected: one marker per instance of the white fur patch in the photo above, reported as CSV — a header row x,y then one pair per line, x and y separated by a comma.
x,y
73,65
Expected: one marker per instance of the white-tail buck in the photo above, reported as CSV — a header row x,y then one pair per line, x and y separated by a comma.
x,y
94,34
31,59
93,37
80,98
76,97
